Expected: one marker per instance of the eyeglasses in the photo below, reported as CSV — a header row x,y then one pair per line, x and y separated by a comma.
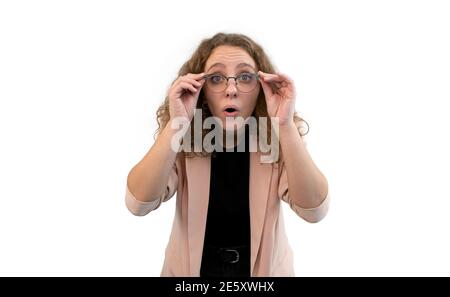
x,y
245,82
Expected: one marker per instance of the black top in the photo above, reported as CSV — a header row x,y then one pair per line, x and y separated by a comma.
x,y
228,221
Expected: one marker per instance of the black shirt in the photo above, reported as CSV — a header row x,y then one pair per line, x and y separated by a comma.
x,y
228,219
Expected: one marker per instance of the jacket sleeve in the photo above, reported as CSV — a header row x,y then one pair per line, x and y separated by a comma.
x,y
140,208
311,215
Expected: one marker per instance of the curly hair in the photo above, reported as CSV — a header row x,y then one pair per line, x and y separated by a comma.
x,y
197,63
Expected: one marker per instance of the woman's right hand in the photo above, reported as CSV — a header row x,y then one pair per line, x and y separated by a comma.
x,y
183,95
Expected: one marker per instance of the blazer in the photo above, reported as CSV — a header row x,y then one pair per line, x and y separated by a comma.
x,y
270,255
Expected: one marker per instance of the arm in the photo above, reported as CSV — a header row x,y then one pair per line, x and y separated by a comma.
x,y
301,183
148,179
154,179
308,187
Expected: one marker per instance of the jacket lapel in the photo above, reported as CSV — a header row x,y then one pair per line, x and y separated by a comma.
x,y
198,182
198,175
260,180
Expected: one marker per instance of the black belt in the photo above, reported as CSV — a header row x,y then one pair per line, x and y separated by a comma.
x,y
232,254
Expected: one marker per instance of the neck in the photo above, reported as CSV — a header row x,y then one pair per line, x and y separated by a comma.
x,y
236,135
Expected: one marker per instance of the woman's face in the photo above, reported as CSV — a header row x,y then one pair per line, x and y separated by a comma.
x,y
230,61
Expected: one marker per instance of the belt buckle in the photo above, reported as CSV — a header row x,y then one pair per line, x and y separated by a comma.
x,y
237,255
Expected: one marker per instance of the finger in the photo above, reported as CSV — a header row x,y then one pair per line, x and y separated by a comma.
x,y
286,79
275,77
280,84
191,81
195,83
266,88
267,75
186,86
272,85
260,73
196,76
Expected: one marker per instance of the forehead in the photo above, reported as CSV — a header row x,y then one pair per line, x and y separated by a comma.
x,y
229,57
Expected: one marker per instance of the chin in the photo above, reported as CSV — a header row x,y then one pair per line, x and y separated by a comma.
x,y
235,124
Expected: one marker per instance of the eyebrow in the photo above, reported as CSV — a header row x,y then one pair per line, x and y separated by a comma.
x,y
240,65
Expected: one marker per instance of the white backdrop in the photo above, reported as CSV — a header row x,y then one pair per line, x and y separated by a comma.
x,y
80,82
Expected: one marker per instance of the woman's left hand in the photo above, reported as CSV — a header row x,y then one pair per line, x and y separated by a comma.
x,y
280,95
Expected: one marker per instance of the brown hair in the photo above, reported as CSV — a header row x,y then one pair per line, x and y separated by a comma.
x,y
197,63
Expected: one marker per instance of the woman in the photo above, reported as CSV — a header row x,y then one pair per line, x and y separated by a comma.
x,y
228,219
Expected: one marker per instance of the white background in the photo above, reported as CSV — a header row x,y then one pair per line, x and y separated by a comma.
x,y
80,82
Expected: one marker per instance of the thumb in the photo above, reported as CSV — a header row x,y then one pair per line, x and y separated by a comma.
x,y
266,87
192,102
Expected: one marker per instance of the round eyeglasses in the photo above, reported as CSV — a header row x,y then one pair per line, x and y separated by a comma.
x,y
245,82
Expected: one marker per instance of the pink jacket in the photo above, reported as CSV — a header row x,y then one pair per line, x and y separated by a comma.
x,y
271,254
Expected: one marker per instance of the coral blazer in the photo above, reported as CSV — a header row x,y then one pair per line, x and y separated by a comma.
x,y
270,255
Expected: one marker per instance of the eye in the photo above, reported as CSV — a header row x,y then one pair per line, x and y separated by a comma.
x,y
245,77
216,79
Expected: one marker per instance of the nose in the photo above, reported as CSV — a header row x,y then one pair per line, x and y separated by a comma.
x,y
231,90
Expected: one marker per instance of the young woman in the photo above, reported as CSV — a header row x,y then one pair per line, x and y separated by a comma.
x,y
228,219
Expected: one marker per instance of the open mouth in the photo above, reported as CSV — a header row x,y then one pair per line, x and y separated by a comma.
x,y
230,111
